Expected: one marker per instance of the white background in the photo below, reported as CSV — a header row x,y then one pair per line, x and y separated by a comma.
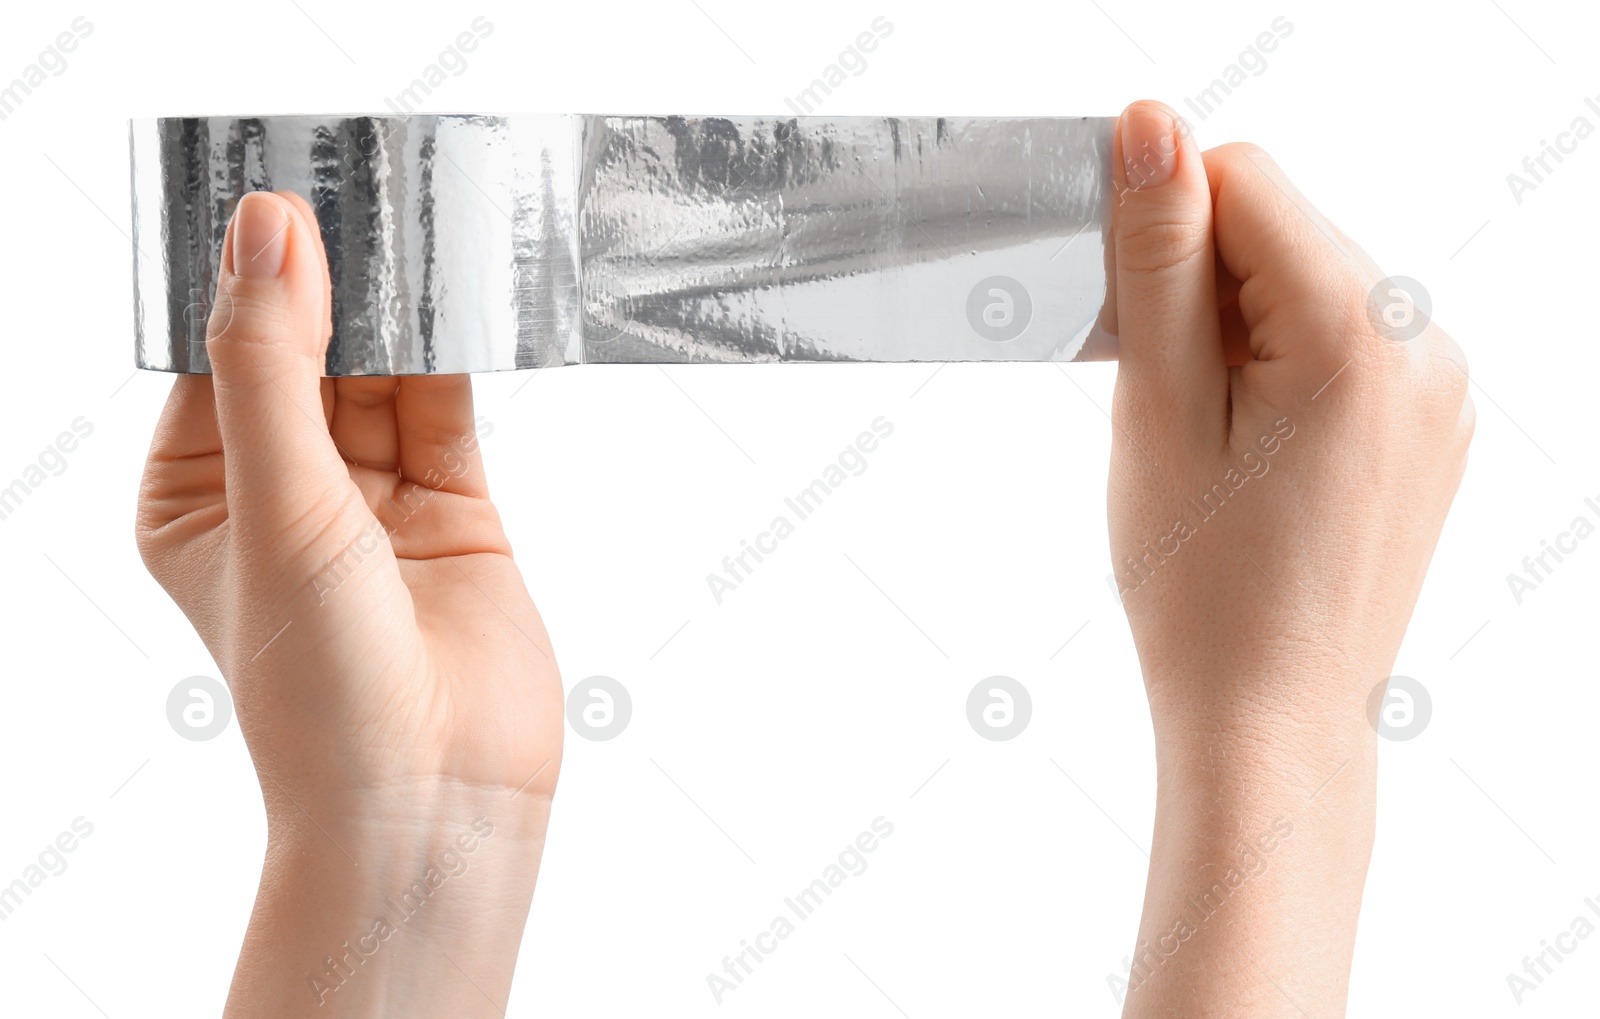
x,y
809,703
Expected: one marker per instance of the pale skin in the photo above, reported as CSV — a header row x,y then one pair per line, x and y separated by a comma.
x,y
388,702
334,544
1244,313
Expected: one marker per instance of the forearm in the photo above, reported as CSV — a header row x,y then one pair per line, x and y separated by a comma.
x,y
387,916
1262,838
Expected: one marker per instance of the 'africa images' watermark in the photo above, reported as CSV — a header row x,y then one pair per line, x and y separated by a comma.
x,y
452,59
852,862
52,863
1537,568
851,59
453,464
1150,163
51,463
336,969
736,568
1198,908
1141,567
51,60
1252,59
361,148
1539,166
1536,967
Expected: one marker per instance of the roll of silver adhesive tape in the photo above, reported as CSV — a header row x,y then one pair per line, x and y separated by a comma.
x,y
468,243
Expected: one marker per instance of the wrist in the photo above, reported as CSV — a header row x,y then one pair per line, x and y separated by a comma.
x,y
1212,761
1263,830
391,908
1284,728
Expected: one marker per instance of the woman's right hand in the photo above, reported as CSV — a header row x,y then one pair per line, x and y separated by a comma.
x,y
1284,457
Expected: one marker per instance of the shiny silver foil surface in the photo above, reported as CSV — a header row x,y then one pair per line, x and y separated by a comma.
x,y
469,243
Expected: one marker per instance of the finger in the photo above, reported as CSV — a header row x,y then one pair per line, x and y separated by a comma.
x,y
188,424
1106,321
183,472
438,437
266,344
1171,354
314,229
1235,335
308,216
364,426
1289,260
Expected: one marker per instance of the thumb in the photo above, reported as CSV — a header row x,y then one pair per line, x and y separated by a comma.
x,y
266,340
1173,370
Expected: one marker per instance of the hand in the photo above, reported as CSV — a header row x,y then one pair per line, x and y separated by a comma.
x,y
1281,470
333,542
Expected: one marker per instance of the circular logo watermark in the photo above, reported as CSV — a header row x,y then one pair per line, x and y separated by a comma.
x,y
999,708
1400,308
204,316
1399,708
605,307
999,308
598,708
196,313
199,708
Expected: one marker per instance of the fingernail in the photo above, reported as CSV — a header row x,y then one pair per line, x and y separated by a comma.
x,y
1149,145
260,236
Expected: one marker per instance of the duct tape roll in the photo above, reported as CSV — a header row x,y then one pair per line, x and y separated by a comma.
x,y
472,243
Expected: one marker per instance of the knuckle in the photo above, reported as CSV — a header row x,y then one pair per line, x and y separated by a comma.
x,y
152,547
1243,152
370,395
148,550
1161,243
245,314
1450,351
1443,365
